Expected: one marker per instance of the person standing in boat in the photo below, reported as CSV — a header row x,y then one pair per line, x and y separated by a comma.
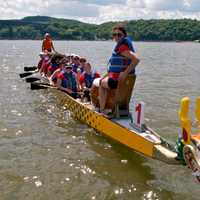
x,y
67,81
47,43
122,63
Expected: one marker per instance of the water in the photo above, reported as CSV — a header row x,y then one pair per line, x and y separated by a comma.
x,y
45,154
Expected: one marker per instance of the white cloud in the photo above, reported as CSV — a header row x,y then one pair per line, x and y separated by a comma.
x,y
102,2
71,9
98,11
151,9
163,4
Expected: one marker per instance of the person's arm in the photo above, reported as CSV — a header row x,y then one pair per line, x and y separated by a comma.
x,y
43,45
55,73
41,70
134,61
59,85
82,82
52,46
83,86
78,87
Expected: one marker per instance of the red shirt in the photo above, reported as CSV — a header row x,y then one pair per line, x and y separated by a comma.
x,y
82,77
61,76
122,48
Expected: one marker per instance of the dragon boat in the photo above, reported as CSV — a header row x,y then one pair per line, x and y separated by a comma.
x,y
130,130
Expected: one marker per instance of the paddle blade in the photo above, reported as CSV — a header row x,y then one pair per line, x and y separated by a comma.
x,y
37,86
32,79
33,68
22,75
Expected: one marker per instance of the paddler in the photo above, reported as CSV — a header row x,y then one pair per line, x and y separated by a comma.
x,y
56,61
47,43
82,64
62,63
88,76
75,63
46,63
67,81
41,60
53,78
122,63
86,79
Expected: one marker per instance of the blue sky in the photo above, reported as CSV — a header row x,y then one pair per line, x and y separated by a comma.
x,y
99,11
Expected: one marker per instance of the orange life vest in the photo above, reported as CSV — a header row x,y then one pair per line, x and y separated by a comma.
x,y
47,45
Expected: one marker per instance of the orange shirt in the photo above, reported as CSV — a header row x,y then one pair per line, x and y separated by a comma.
x,y
47,45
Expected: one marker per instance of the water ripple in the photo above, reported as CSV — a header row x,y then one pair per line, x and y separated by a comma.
x,y
45,153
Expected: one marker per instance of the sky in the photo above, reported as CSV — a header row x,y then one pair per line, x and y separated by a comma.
x,y
99,11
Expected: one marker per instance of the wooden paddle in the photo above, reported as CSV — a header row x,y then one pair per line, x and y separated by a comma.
x,y
23,75
27,69
32,79
38,86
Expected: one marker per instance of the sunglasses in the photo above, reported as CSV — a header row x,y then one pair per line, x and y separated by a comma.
x,y
117,34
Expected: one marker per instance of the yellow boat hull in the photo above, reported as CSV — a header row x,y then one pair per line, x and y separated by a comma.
x,y
120,130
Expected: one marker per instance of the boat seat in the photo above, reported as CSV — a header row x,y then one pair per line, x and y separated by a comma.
x,y
118,99
123,95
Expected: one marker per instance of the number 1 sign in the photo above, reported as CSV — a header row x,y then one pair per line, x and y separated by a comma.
x,y
138,114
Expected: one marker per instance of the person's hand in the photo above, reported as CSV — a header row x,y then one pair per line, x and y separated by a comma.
x,y
69,91
51,82
122,76
78,89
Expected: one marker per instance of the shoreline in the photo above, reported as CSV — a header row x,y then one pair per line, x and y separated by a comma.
x,y
150,41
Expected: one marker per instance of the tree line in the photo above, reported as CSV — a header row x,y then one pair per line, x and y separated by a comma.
x,y
64,29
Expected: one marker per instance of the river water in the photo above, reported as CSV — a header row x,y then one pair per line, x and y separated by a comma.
x,y
45,154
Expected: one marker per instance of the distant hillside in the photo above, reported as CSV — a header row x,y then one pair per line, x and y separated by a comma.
x,y
37,19
34,27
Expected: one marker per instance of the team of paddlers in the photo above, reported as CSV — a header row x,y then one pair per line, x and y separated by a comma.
x,y
71,73
74,74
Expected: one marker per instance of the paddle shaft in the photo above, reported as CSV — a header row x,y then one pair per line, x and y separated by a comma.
x,y
38,86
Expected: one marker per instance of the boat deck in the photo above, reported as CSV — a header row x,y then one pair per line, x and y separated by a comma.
x,y
126,123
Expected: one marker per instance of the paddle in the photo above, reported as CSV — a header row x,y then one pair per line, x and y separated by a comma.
x,y
27,69
38,86
23,75
32,79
